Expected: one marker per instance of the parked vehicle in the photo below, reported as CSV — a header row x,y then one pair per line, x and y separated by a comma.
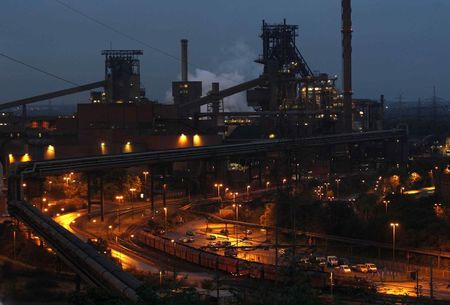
x,y
248,232
371,267
213,246
230,251
190,233
226,243
360,268
304,260
211,237
332,261
343,268
321,260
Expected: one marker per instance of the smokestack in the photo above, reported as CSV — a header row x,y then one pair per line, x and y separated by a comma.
x,y
184,60
347,62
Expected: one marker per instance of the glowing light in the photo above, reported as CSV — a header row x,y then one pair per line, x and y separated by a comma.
x,y
25,158
182,140
197,140
103,148
128,147
49,153
272,136
11,158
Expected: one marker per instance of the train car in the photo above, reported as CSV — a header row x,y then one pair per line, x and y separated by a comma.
x,y
208,260
193,256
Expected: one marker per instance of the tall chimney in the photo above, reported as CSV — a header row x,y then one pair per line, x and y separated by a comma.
x,y
347,62
184,60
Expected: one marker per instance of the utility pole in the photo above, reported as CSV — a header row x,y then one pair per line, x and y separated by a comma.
x,y
347,62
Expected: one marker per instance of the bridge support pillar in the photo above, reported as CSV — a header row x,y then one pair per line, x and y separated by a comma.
x,y
260,164
91,191
102,200
249,172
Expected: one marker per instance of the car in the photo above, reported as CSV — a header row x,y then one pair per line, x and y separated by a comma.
x,y
304,260
213,246
230,252
226,243
371,267
360,268
344,268
211,237
241,273
321,260
190,233
248,232
332,261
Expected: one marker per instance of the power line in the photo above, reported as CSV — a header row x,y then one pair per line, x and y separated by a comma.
x,y
37,69
128,36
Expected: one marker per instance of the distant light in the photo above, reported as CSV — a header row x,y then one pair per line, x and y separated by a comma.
x,y
182,140
197,140
50,152
272,136
25,158
128,147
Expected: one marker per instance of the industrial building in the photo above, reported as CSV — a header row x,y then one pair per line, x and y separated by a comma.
x,y
288,99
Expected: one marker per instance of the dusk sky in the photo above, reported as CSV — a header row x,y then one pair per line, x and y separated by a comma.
x,y
399,46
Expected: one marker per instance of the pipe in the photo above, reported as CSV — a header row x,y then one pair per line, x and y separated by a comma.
x,y
347,62
184,60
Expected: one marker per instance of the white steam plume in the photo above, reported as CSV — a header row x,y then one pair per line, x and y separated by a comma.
x,y
238,67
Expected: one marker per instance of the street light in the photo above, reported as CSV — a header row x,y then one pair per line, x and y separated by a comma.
x,y
132,190
165,218
164,194
267,184
337,187
284,181
236,209
386,203
218,186
145,173
248,192
394,225
234,196
119,199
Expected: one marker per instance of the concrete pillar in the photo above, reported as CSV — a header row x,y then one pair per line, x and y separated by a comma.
x,y
152,192
102,200
89,192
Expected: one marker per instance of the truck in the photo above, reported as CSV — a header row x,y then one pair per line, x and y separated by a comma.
x,y
332,261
